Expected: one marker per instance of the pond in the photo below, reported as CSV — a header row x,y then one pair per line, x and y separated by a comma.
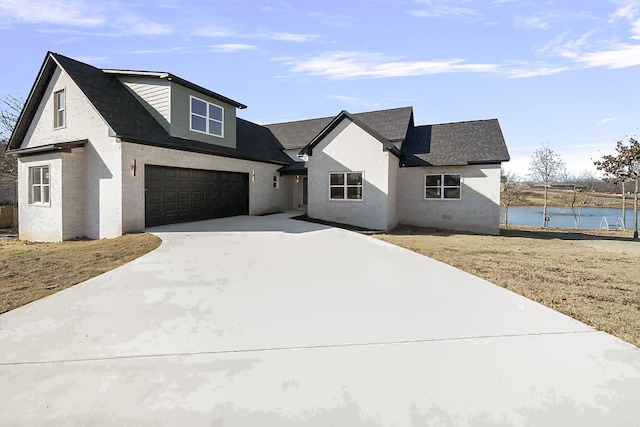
x,y
563,217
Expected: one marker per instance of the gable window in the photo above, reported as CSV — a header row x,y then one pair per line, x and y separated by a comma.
x,y
39,185
276,182
59,112
206,117
444,186
345,186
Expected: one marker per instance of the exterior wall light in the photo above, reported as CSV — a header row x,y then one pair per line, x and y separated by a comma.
x,y
133,168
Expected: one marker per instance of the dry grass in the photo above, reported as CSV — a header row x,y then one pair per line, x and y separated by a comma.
x,y
30,271
591,276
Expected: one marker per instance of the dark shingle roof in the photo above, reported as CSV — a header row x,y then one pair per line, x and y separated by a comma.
x,y
391,124
454,144
295,168
132,122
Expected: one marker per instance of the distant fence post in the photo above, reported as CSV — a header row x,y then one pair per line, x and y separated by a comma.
x,y
8,216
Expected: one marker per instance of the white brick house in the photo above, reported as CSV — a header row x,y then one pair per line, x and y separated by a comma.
x,y
107,152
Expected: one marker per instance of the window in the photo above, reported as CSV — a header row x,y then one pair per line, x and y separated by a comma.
x,y
39,182
345,186
59,109
442,186
276,181
206,117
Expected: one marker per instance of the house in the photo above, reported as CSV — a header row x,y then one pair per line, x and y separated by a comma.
x,y
103,152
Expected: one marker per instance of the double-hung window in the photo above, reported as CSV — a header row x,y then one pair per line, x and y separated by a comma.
x,y
206,117
345,186
39,183
276,182
443,186
59,111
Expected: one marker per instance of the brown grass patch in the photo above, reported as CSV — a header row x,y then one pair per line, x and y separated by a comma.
x,y
30,271
591,276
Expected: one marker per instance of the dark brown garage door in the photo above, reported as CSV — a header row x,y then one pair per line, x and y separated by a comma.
x,y
179,195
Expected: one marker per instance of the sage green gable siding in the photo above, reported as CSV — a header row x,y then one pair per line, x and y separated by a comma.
x,y
154,94
180,117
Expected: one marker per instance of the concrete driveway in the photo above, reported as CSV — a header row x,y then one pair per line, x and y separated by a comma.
x,y
269,321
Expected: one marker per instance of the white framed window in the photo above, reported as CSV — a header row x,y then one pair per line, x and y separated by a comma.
x,y
59,110
39,185
206,117
276,182
345,186
443,186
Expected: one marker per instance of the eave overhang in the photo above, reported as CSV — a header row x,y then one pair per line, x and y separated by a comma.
x,y
64,147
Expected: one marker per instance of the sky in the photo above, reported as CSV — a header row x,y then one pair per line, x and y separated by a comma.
x,y
565,73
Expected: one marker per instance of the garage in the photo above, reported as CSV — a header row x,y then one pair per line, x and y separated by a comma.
x,y
180,194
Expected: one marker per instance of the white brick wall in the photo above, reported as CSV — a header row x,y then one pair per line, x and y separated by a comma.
x,y
40,223
478,210
73,194
349,148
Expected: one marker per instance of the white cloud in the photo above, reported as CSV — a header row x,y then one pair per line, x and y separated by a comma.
x,y
635,30
531,70
214,32
370,65
620,56
628,9
287,37
130,23
444,9
112,20
536,22
607,120
232,47
355,65
219,32
57,12
355,102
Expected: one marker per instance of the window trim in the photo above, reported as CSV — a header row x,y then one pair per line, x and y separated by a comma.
x,y
206,118
33,186
442,187
57,109
345,186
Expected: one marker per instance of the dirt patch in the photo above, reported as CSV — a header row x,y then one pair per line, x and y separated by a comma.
x,y
30,271
589,276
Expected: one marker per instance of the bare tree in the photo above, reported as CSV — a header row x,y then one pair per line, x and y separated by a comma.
x,y
621,167
511,192
577,201
10,108
9,113
545,167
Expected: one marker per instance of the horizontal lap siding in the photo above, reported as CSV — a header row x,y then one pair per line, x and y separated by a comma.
x,y
155,95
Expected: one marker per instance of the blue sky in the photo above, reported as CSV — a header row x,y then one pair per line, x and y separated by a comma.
x,y
564,73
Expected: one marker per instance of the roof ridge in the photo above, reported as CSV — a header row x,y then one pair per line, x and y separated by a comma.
x,y
336,115
455,123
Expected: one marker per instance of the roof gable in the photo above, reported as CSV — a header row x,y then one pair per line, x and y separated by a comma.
x,y
344,115
455,144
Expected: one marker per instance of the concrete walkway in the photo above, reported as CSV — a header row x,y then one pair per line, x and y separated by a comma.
x,y
268,321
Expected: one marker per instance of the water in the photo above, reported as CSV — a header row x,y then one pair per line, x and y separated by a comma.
x,y
563,217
